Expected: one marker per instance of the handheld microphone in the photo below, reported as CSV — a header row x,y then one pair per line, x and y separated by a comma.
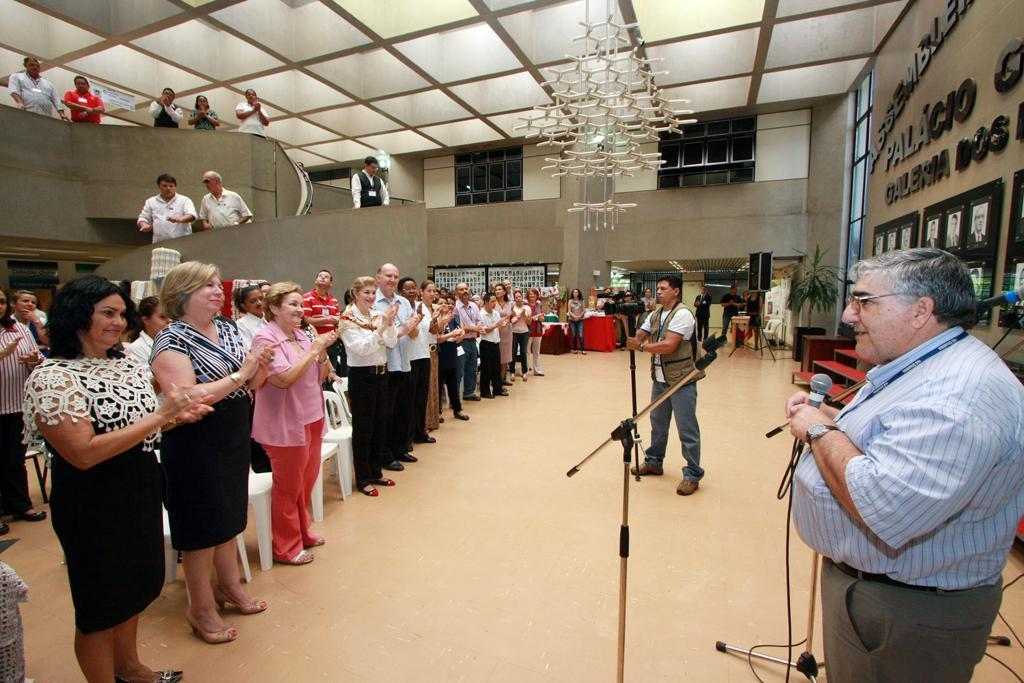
x,y
1004,298
820,385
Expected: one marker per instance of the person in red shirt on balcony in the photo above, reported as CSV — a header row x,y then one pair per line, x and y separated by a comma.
x,y
83,105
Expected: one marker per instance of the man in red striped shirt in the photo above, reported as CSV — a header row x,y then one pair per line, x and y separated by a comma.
x,y
320,309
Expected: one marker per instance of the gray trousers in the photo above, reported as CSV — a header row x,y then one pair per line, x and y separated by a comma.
x,y
887,634
683,406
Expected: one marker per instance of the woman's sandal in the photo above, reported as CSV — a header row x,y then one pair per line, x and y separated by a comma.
x,y
384,482
251,607
369,491
320,540
212,637
161,677
301,558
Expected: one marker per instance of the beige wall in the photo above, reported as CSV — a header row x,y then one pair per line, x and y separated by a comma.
x,y
88,183
970,51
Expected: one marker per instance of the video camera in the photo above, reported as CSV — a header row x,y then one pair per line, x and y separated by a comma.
x,y
627,308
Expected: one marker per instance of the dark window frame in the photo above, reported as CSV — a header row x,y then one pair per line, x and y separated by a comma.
x,y
689,172
510,161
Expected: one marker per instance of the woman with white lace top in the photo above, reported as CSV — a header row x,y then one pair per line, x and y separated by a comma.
x,y
366,334
98,413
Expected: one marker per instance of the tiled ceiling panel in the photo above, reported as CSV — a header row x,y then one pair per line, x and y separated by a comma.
x,y
370,74
503,93
546,34
390,18
661,20
830,36
355,120
460,53
701,59
423,108
199,46
809,81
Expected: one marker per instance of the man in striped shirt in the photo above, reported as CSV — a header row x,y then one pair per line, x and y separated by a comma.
x,y
912,493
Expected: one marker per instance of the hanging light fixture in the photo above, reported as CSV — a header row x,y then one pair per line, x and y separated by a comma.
x,y
606,105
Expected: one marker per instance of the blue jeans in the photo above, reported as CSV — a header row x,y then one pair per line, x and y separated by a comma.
x,y
576,334
682,404
468,363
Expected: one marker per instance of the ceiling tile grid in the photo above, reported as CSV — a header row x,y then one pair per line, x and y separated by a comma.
x,y
346,78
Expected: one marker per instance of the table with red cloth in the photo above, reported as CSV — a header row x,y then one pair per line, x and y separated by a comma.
x,y
555,341
599,333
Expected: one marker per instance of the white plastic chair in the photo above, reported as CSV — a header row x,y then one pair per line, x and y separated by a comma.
x,y
260,484
328,450
171,555
341,389
339,432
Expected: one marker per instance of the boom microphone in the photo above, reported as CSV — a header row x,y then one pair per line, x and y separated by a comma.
x,y
820,384
1004,298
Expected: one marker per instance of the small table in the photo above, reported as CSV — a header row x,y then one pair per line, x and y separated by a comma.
x,y
555,341
599,333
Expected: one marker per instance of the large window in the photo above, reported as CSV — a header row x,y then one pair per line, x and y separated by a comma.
x,y
488,177
709,153
855,239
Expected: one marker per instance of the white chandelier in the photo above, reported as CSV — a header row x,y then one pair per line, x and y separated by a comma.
x,y
606,105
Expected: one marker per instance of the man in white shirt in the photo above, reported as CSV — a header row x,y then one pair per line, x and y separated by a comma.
x,y
666,334
165,113
221,208
367,187
168,214
33,93
251,115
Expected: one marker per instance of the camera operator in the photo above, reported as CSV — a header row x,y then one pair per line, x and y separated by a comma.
x,y
913,492
667,334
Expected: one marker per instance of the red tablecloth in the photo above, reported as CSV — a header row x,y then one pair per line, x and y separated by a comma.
x,y
599,333
555,341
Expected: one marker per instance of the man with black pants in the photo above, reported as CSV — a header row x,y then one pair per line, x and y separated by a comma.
x,y
730,307
367,187
400,400
702,307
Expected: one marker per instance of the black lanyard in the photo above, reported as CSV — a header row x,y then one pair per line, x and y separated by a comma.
x,y
875,390
662,324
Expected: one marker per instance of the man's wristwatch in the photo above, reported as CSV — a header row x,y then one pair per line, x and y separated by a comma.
x,y
642,344
815,432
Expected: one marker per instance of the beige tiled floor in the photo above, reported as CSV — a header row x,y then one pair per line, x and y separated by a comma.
x,y
487,564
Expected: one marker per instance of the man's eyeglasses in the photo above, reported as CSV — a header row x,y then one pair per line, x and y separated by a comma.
x,y
207,181
858,301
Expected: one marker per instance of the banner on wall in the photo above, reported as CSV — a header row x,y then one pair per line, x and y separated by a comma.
x,y
479,277
114,99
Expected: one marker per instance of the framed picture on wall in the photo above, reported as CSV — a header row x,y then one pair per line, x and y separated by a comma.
x,y
977,235
1013,267
932,235
1017,207
907,237
879,245
951,240
983,276
890,240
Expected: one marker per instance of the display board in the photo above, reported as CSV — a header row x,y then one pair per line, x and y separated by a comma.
x,y
968,227
899,233
1013,272
479,277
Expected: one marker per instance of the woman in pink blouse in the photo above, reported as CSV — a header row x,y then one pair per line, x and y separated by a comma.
x,y
289,419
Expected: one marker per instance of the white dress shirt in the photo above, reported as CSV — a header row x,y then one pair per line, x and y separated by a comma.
x,y
490,320
251,124
419,348
174,111
683,324
141,348
156,211
357,190
39,96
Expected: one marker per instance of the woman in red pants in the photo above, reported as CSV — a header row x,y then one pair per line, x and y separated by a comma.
x,y
289,419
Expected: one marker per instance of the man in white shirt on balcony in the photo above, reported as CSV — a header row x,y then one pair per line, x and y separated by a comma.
x,y
367,187
165,113
32,92
221,208
168,214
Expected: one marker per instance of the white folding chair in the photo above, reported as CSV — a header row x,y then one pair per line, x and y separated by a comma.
x,y
171,555
341,389
260,484
339,432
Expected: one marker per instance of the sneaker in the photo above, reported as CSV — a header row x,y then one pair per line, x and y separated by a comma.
x,y
686,487
647,468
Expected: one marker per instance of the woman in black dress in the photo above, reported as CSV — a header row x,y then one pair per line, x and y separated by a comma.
x,y
97,412
207,463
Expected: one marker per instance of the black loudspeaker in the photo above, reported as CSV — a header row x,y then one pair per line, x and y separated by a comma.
x,y
759,275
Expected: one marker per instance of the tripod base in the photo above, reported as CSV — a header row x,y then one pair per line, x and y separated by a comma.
x,y
805,663
760,341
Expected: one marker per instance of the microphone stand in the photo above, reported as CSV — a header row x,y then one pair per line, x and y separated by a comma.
x,y
627,433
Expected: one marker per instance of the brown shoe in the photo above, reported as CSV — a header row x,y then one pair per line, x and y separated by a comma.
x,y
687,488
647,468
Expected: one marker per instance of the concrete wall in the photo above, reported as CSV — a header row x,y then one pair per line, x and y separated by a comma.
x,y
348,243
970,51
88,183
330,198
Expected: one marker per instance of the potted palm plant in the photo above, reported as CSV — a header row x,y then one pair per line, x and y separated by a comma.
x,y
818,289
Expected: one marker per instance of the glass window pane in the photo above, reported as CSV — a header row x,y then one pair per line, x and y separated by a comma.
x,y
860,140
479,178
693,154
480,198
743,175
496,155
513,195
717,178
513,173
744,125
463,158
498,196
463,179
463,199
692,179
497,176
479,157
694,130
742,149
670,153
718,151
514,152
666,181
718,127
857,190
